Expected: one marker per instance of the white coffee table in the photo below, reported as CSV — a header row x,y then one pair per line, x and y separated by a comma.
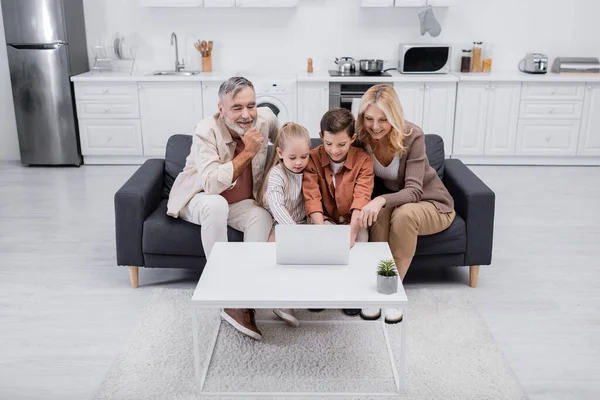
x,y
246,275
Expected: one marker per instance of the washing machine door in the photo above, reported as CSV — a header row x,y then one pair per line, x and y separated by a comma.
x,y
276,106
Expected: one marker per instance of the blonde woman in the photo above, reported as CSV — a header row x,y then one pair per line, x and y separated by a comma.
x,y
414,201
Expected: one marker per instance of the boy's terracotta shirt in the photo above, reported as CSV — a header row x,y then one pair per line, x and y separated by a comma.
x,y
355,182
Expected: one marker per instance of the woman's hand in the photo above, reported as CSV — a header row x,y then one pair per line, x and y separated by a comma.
x,y
371,211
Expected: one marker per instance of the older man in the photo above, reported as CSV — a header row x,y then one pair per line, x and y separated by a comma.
x,y
222,173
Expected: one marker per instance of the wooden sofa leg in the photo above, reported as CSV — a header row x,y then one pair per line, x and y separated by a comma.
x,y
133,276
473,275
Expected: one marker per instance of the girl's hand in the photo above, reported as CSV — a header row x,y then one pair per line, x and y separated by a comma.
x,y
371,211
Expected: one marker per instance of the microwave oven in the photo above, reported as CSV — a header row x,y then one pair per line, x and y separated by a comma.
x,y
424,59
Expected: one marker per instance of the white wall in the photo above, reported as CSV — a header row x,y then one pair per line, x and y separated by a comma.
x,y
9,145
280,40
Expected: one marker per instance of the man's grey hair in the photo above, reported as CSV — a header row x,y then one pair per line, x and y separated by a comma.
x,y
233,85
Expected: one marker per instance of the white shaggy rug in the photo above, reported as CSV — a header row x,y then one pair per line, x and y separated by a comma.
x,y
451,353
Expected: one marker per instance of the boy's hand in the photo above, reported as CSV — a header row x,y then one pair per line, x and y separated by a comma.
x,y
355,222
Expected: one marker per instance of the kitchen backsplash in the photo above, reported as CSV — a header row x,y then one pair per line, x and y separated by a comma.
x,y
279,41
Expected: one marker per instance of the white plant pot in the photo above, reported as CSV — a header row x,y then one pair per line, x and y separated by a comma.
x,y
387,284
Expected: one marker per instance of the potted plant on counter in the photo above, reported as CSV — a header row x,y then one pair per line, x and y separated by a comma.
x,y
387,277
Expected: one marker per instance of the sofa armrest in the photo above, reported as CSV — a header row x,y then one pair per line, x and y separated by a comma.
x,y
134,202
475,202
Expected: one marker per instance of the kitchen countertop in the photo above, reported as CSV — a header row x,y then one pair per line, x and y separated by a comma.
x,y
142,76
323,76
518,76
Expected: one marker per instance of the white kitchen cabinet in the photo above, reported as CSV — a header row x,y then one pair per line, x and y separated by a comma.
x,y
219,3
168,108
412,98
589,137
377,3
431,107
104,137
266,3
171,3
438,112
251,3
536,137
313,102
502,118
471,118
210,98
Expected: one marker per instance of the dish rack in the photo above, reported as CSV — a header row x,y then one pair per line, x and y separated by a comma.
x,y
114,57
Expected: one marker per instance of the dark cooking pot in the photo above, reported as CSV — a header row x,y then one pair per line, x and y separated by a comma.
x,y
372,66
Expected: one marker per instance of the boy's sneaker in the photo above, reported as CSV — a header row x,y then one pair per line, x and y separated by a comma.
x,y
370,314
393,315
288,315
316,309
351,311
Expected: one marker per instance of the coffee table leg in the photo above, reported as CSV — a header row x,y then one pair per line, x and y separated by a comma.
x,y
202,372
398,374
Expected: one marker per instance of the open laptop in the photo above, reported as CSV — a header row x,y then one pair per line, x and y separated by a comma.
x,y
312,244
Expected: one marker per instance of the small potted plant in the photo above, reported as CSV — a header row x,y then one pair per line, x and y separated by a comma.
x,y
387,277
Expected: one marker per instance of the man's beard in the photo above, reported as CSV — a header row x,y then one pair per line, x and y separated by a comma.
x,y
235,127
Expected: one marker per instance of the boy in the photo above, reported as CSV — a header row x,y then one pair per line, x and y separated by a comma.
x,y
338,180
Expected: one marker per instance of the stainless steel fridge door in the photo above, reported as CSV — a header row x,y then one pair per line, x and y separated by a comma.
x,y
34,21
44,105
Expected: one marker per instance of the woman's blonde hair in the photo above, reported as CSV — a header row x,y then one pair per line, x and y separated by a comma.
x,y
285,134
384,97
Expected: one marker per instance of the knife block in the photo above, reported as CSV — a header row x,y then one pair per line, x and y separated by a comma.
x,y
207,64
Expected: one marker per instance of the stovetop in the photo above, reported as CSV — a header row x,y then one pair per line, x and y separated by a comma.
x,y
333,72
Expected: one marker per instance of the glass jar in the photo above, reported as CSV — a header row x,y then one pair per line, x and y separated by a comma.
x,y
486,63
477,47
465,61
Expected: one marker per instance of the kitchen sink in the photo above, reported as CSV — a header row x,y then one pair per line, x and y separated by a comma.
x,y
174,73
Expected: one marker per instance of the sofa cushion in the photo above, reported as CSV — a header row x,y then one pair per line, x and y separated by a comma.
x,y
173,236
451,241
178,148
434,148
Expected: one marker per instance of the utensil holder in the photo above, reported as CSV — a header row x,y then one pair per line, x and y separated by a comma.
x,y
207,64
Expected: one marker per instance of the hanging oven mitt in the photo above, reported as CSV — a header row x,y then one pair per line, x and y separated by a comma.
x,y
429,23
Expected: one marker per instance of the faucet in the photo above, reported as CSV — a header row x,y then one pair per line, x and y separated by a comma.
x,y
178,66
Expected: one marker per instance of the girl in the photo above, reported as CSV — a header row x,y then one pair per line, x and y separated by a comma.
x,y
281,190
413,200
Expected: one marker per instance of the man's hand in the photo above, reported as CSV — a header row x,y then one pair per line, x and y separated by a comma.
x,y
252,141
370,212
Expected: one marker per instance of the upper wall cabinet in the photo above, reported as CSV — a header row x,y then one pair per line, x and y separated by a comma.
x,y
171,3
220,3
406,3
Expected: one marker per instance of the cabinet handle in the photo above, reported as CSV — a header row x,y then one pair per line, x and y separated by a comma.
x,y
105,91
110,138
426,87
548,138
553,91
551,111
589,88
106,110
140,87
493,87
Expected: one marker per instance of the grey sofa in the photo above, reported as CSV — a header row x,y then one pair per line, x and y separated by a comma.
x,y
147,237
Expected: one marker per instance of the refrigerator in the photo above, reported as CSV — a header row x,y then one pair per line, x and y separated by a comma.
x,y
46,45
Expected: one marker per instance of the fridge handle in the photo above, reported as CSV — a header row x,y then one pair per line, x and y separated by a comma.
x,y
44,46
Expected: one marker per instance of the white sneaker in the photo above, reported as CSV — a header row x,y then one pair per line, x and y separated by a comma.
x,y
288,315
393,315
370,314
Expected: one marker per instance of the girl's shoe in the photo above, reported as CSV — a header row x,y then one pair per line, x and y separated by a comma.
x,y
288,315
370,314
393,315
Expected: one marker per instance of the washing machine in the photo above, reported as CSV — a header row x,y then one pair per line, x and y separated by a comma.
x,y
279,95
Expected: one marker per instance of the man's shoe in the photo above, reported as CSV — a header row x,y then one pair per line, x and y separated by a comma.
x,y
351,311
370,314
242,319
393,315
288,315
